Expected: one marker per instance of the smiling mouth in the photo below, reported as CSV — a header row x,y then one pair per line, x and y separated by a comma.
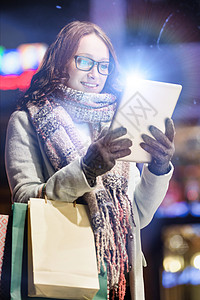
x,y
90,85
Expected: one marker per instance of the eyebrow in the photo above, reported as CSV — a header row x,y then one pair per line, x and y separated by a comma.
x,y
91,56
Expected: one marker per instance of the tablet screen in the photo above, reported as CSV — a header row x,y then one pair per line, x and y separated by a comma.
x,y
143,104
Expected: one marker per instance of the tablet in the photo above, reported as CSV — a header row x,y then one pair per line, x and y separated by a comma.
x,y
143,104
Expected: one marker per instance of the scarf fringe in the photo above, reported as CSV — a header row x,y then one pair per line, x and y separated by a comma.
x,y
111,239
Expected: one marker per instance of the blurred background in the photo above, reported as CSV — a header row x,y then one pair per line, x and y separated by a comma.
x,y
157,40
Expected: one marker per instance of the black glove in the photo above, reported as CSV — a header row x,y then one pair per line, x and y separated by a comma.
x,y
101,154
161,148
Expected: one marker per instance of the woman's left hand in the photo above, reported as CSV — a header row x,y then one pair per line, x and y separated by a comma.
x,y
161,148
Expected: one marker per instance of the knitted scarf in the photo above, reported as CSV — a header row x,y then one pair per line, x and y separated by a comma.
x,y
110,208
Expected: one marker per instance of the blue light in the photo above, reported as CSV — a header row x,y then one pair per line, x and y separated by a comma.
x,y
189,275
169,279
195,209
11,63
179,209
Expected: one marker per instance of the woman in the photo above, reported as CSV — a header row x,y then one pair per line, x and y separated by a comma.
x,y
59,144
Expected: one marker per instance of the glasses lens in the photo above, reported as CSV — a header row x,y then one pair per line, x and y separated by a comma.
x,y
105,68
84,63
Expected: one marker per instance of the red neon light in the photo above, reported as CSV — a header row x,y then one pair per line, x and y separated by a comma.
x,y
13,82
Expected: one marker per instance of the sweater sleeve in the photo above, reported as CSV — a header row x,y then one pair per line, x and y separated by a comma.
x,y
149,193
25,166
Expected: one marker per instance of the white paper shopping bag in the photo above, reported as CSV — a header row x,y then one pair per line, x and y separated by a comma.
x,y
61,251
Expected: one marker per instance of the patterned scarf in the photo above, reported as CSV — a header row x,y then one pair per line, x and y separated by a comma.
x,y
110,208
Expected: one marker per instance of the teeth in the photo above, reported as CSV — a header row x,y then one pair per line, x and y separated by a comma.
x,y
89,84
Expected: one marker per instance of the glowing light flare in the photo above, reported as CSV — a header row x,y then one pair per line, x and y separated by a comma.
x,y
195,260
11,62
135,78
161,25
31,55
173,264
177,56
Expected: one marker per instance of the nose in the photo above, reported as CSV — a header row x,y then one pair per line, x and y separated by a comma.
x,y
93,73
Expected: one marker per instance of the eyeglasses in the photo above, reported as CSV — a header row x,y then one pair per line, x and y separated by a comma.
x,y
86,64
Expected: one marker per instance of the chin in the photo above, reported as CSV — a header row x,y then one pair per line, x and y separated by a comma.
x,y
91,90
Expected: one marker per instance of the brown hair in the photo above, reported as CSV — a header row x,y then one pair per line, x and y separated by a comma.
x,y
54,67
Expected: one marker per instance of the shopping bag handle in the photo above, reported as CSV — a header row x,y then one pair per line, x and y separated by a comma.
x,y
45,200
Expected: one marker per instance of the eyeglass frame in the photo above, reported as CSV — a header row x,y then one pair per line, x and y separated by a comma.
x,y
95,63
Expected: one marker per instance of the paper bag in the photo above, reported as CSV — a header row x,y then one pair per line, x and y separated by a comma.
x,y
61,251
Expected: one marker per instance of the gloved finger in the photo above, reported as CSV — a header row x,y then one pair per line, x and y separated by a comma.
x,y
161,157
113,134
160,136
120,145
121,153
103,132
154,144
169,129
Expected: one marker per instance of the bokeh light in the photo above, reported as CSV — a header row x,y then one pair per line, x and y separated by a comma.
x,y
173,263
195,260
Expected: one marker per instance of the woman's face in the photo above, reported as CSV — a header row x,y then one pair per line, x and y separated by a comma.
x,y
90,46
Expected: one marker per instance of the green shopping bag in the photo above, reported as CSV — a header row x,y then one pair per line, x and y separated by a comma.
x,y
102,293
19,216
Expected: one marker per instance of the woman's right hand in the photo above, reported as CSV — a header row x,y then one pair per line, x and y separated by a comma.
x,y
102,153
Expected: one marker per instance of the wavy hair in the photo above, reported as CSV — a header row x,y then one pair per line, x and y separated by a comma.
x,y
54,67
